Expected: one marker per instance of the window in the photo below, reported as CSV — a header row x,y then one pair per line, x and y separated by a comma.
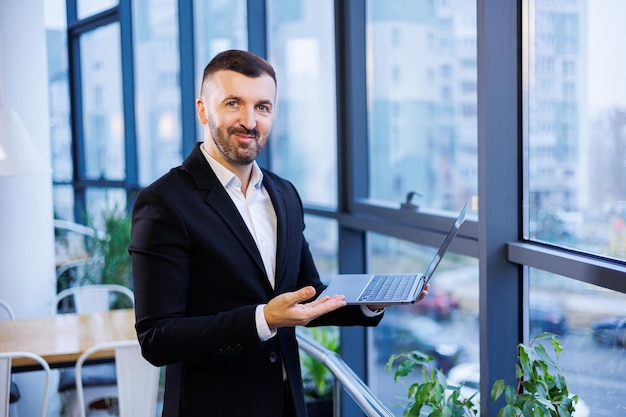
x,y
420,159
591,324
303,143
576,191
157,89
443,325
103,118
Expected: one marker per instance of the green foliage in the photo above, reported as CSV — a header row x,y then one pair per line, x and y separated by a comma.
x,y
541,388
113,248
317,379
433,397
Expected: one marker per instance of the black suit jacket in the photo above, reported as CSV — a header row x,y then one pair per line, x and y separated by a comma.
x,y
198,278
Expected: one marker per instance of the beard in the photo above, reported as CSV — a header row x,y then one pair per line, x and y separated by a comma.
x,y
233,151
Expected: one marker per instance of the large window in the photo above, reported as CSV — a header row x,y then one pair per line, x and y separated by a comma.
x,y
103,118
304,139
591,323
444,325
422,98
157,88
576,128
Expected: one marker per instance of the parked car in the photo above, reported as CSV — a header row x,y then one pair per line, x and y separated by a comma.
x,y
609,331
546,317
439,305
467,377
399,334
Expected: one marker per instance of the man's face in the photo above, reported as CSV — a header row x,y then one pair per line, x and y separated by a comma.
x,y
238,112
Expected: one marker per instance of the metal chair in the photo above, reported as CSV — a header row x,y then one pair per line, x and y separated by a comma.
x,y
7,313
99,380
137,379
93,298
5,379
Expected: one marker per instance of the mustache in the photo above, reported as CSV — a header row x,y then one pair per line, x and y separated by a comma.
x,y
243,131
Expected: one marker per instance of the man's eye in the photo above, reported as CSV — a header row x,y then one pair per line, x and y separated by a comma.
x,y
231,104
263,107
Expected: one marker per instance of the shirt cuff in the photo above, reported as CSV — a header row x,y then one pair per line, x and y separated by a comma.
x,y
264,331
369,313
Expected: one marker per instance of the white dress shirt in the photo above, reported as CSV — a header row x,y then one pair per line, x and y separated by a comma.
x,y
257,211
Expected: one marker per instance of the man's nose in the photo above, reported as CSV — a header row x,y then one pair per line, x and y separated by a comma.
x,y
248,118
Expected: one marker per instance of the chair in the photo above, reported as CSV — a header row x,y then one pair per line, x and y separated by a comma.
x,y
137,379
99,380
93,298
5,379
6,313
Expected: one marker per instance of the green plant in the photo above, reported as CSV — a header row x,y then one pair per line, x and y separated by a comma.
x,y
432,397
317,379
541,389
112,247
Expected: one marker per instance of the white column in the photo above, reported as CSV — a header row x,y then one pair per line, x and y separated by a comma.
x,y
27,266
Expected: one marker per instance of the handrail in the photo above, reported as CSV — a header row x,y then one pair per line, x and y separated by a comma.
x,y
357,389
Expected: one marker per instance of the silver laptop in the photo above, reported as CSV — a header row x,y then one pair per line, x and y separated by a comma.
x,y
389,289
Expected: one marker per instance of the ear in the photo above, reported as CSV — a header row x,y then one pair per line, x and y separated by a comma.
x,y
201,110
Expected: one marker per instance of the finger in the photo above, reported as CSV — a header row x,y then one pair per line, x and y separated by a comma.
x,y
320,307
303,294
325,299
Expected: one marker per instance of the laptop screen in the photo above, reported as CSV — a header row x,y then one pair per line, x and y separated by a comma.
x,y
444,246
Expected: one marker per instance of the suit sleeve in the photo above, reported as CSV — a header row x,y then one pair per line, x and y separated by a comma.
x,y
161,259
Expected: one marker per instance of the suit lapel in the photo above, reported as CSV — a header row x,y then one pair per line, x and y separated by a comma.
x,y
221,204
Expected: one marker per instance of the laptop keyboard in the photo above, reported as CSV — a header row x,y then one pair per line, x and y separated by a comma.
x,y
387,288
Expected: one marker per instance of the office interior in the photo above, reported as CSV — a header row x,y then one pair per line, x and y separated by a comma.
x,y
392,114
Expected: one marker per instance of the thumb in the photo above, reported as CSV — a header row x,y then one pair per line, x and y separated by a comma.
x,y
304,293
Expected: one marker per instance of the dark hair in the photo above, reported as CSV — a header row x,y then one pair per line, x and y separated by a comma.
x,y
243,62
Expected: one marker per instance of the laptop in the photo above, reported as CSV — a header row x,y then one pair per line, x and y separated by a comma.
x,y
390,289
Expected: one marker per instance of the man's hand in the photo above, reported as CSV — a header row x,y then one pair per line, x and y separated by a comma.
x,y
287,309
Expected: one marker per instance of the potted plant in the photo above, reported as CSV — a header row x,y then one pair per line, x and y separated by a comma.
x,y
541,389
317,379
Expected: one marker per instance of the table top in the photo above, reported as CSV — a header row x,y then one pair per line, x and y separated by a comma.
x,y
62,338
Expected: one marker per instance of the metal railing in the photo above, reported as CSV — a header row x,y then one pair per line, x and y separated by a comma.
x,y
344,377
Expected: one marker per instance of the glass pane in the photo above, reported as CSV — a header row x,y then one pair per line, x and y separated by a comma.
x,y
304,136
102,201
591,324
443,325
86,8
60,127
219,25
576,126
157,88
103,119
322,236
422,101
63,200
323,240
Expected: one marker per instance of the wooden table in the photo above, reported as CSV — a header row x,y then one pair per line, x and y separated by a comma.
x,y
61,339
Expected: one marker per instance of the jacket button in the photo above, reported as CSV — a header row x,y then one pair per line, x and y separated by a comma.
x,y
273,357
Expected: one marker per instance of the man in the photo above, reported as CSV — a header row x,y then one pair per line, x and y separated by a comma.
x,y
222,271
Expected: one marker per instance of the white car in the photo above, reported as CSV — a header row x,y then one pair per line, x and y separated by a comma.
x,y
467,377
